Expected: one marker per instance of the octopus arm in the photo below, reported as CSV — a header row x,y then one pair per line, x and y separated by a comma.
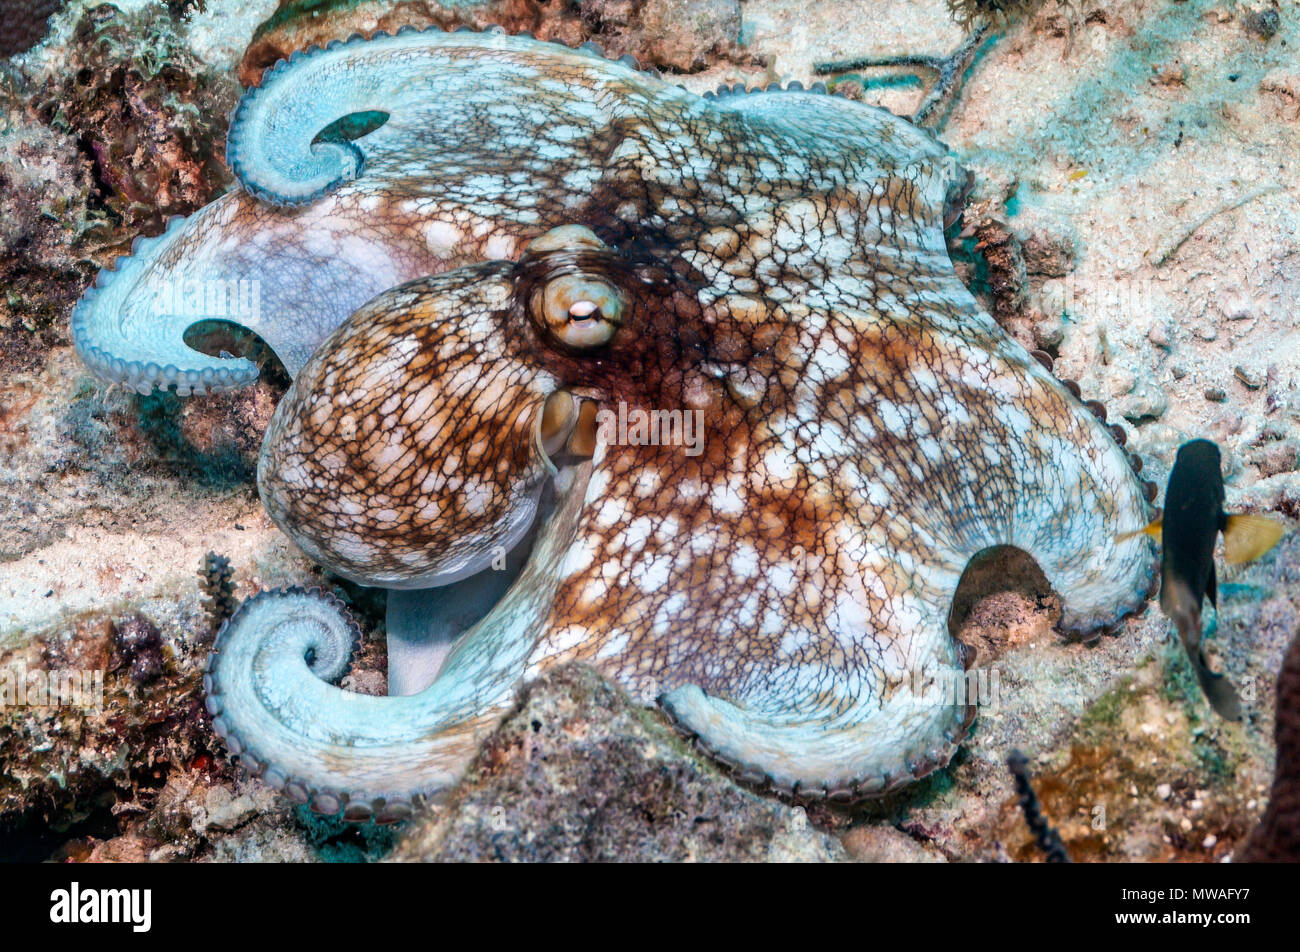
x,y
129,327
976,445
323,223
268,690
873,691
963,439
289,278
423,81
860,748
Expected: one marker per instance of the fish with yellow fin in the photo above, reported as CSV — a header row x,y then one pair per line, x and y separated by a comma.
x,y
1193,518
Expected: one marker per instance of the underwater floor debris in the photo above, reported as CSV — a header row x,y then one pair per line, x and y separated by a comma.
x,y
1132,217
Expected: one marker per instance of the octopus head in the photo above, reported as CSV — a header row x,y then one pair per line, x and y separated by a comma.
x,y
413,447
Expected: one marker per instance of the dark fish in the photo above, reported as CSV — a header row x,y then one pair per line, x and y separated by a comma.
x,y
1189,529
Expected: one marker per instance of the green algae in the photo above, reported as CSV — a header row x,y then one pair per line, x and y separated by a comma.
x,y
337,841
1104,713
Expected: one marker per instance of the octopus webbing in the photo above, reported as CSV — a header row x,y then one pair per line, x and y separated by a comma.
x,y
502,301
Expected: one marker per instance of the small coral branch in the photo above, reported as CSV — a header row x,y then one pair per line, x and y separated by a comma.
x,y
949,69
218,588
979,18
1049,841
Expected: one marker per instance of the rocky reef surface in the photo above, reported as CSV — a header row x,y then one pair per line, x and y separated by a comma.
x,y
1136,215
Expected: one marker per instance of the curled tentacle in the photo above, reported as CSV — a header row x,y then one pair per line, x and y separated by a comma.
x,y
129,327
373,756
275,146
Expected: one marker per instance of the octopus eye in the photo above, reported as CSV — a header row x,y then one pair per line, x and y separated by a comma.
x,y
576,299
580,311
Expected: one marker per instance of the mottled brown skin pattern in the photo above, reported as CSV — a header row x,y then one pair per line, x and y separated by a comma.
x,y
867,428
393,475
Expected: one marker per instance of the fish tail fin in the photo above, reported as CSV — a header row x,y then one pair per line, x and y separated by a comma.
x,y
1180,605
1153,529
1247,537
1218,691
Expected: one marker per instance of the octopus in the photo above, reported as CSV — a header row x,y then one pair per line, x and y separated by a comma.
x,y
588,368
